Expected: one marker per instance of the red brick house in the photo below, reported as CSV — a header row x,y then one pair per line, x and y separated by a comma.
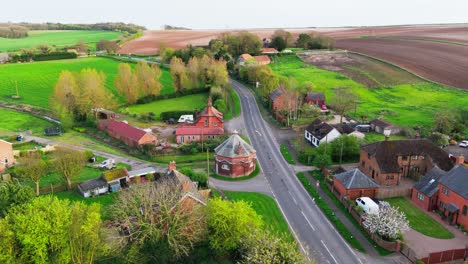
x,y
6,155
279,102
262,59
208,124
243,58
353,184
453,195
386,162
315,98
126,133
425,192
235,157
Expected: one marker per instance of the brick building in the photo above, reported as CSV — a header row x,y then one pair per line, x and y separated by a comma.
x,y
353,184
279,102
315,98
386,162
126,133
425,192
235,157
6,155
208,124
453,195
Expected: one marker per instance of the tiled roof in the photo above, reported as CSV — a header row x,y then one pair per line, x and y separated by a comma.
x,y
316,96
246,56
234,147
186,184
319,129
262,58
380,123
429,184
210,110
355,179
457,180
277,92
343,128
194,130
125,130
269,50
386,153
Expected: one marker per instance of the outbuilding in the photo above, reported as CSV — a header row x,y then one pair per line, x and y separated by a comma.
x,y
235,157
353,184
93,187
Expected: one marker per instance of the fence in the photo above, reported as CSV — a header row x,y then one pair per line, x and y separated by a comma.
x,y
409,253
61,187
389,193
446,256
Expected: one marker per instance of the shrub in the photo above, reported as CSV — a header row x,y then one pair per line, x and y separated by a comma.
x,y
80,129
220,105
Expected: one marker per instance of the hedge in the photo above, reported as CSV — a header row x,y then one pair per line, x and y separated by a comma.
x,y
44,57
151,98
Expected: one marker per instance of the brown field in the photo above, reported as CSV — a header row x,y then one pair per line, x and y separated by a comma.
x,y
439,62
364,70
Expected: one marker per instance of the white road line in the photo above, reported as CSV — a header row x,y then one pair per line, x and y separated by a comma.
x,y
258,133
313,228
329,251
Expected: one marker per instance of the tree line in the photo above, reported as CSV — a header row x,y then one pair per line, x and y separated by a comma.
x,y
13,31
108,26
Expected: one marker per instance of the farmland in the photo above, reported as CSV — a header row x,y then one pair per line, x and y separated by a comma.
x,y
36,80
59,38
405,104
13,121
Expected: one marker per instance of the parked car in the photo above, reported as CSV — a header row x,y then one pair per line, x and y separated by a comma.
x,y
367,205
463,144
107,164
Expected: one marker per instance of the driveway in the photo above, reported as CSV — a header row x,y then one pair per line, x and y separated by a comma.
x,y
257,184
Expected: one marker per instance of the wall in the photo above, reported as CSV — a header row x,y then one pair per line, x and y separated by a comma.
x,y
6,152
235,168
456,199
424,204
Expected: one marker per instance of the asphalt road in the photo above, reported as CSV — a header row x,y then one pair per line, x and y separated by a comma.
x,y
317,237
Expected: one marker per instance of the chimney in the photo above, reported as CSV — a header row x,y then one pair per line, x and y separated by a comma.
x,y
172,166
460,160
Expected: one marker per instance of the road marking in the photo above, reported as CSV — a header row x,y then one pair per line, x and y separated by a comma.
x,y
329,251
258,133
313,228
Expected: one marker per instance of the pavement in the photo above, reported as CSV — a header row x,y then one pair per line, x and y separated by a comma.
x,y
256,184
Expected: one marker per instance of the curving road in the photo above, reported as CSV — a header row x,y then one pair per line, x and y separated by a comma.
x,y
317,237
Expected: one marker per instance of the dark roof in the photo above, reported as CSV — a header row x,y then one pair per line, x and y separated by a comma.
x,y
457,180
386,153
316,96
319,129
380,123
429,184
355,179
344,128
52,131
126,130
92,184
277,92
452,208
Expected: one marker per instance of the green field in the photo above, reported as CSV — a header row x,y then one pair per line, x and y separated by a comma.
x,y
36,80
420,221
267,208
187,103
406,105
12,121
59,38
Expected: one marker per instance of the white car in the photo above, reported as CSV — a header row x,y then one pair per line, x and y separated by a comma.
x,y
107,164
463,144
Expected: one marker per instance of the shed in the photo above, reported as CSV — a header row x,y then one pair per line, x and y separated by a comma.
x,y
354,184
93,187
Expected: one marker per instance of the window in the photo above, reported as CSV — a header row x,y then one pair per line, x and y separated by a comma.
x,y
416,169
445,191
225,167
404,157
390,177
415,157
363,164
421,196
465,210
206,122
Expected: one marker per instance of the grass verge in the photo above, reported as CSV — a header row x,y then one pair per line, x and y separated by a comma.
x,y
286,154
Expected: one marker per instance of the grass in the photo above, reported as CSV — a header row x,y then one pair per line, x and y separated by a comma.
x,y
183,158
103,200
328,212
372,137
286,154
15,122
420,221
36,80
250,176
405,105
26,145
59,38
267,208
188,103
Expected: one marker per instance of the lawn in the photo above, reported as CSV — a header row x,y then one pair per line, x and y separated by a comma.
x,y
286,154
267,208
372,137
187,103
36,80
59,38
103,200
405,105
183,158
26,145
420,221
14,121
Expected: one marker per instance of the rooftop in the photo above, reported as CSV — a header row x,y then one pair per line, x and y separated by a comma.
x,y
234,147
457,180
316,96
277,92
429,184
115,174
126,130
355,179
92,184
319,129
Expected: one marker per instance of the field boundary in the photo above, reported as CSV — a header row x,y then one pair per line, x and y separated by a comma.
x,y
30,112
417,39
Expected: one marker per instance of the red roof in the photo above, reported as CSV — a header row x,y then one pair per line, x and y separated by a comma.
x,y
246,56
269,50
126,130
193,130
262,58
209,110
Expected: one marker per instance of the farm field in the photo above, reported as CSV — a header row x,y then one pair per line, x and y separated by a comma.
x,y
188,103
36,80
59,38
406,104
439,62
12,121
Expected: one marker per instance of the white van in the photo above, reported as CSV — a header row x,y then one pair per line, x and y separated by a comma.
x,y
368,205
107,164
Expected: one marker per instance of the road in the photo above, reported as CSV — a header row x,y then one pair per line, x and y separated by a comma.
x,y
317,237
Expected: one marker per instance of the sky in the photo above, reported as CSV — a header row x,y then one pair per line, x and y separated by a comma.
x,y
222,14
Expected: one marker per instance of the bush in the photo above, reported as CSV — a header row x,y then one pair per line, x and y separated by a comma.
x,y
220,105
80,129
199,177
58,55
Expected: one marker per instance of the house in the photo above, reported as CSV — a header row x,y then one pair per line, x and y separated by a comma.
x,y
235,157
453,195
116,178
386,162
7,158
208,124
379,126
425,192
126,133
353,184
319,132
315,98
262,59
278,99
93,187
269,51
243,58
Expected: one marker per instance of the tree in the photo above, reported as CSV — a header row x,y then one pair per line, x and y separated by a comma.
x,y
389,223
322,160
444,122
217,73
69,163
159,228
343,101
278,43
284,35
148,78
345,148
12,193
107,45
194,71
32,167
303,40
126,83
44,48
229,223
92,92
81,47
179,73
63,99
439,139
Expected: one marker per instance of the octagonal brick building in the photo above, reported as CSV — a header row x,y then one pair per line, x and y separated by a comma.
x,y
235,157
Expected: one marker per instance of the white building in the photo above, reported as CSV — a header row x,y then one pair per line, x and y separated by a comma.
x,y
319,132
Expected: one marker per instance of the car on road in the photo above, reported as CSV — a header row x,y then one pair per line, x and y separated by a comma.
x,y
107,164
463,144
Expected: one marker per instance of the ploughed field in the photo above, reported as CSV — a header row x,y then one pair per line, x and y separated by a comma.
x,y
440,62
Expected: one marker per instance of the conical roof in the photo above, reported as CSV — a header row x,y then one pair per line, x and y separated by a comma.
x,y
234,147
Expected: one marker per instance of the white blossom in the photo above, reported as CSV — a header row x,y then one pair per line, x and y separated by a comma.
x,y
388,223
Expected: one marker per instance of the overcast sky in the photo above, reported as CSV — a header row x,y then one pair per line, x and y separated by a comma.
x,y
222,14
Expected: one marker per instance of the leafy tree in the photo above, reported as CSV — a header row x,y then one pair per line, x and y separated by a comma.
x,y
12,193
126,83
63,99
32,167
81,47
343,101
322,160
148,78
194,71
285,35
303,40
439,139
345,148
107,45
278,43
179,73
389,223
444,122
229,223
69,163
44,48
